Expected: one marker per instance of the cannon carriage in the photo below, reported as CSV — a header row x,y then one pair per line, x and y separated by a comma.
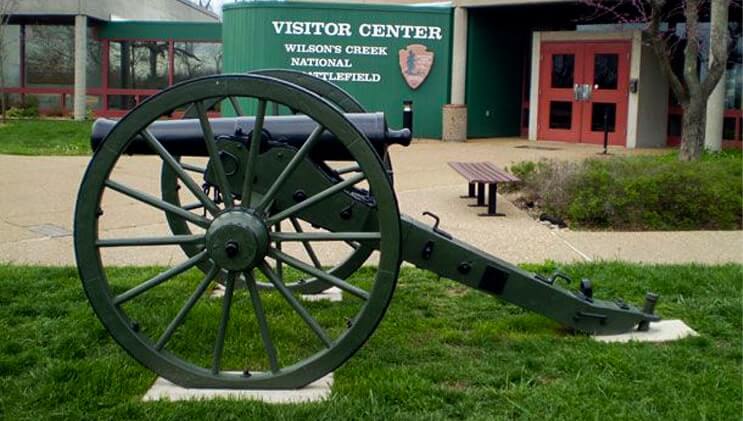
x,y
299,162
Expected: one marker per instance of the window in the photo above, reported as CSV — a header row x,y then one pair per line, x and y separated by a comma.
x,y
138,65
50,55
195,59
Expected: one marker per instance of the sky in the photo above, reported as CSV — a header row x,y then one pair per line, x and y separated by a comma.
x,y
217,5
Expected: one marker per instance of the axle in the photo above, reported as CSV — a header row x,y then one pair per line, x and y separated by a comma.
x,y
186,138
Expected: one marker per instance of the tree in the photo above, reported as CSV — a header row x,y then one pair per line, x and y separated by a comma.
x,y
691,88
6,10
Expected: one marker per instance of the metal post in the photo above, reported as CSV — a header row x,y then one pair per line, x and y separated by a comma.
x,y
471,190
606,130
407,115
480,194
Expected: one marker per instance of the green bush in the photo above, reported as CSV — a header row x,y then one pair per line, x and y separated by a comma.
x,y
28,109
631,193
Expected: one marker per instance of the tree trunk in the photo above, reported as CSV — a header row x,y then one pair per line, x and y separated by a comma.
x,y
692,129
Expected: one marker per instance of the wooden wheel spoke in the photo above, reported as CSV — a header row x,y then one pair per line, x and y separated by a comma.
x,y
193,168
295,304
223,321
255,146
289,169
260,315
159,279
312,200
151,241
279,265
325,236
178,168
349,169
178,320
236,106
318,273
193,206
307,246
214,159
158,203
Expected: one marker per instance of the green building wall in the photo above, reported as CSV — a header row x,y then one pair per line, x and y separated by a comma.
x,y
179,31
254,38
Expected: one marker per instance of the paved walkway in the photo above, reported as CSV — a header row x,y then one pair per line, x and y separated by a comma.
x,y
38,195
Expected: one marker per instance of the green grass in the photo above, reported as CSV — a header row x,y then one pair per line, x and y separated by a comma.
x,y
45,137
442,352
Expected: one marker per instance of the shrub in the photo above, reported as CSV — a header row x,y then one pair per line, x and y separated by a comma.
x,y
29,109
646,193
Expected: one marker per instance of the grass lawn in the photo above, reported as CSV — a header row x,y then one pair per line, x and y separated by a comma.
x,y
442,352
45,137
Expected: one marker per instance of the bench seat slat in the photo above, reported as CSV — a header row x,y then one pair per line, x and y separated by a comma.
x,y
482,172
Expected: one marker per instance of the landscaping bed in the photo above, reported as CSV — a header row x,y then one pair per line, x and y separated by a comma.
x,y
443,351
635,193
45,137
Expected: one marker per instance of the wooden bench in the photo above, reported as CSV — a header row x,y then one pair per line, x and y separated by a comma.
x,y
480,174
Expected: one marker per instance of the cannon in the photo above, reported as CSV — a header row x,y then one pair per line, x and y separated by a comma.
x,y
288,163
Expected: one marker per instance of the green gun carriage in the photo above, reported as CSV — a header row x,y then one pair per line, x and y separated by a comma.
x,y
289,163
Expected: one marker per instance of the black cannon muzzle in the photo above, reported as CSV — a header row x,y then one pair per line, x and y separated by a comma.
x,y
185,137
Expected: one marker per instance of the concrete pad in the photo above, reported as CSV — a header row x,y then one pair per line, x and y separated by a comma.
x,y
316,391
662,331
423,181
333,294
217,291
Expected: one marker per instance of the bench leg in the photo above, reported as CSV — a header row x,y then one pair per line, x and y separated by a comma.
x,y
470,191
480,194
492,197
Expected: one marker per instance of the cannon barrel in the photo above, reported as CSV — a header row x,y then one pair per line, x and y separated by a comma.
x,y
185,137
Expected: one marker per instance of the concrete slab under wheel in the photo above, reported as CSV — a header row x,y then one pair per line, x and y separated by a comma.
x,y
662,331
164,390
331,294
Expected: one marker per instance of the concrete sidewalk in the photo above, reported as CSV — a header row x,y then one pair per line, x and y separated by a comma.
x,y
38,195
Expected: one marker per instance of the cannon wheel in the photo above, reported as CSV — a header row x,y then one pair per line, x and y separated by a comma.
x,y
348,104
150,345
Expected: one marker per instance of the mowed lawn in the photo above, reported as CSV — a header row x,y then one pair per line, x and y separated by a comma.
x,y
45,137
442,352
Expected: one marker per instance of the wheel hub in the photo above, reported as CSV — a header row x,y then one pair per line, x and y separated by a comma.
x,y
237,240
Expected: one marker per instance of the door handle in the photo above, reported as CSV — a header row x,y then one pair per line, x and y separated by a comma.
x,y
587,91
577,92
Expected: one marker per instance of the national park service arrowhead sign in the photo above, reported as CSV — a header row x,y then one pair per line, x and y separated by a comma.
x,y
415,62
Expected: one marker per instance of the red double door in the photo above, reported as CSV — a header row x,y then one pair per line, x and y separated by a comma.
x,y
583,89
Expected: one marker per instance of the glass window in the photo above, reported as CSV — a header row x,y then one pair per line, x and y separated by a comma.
x,y
561,115
94,67
603,114
605,71
674,125
728,128
138,65
734,74
563,68
195,59
11,55
121,102
50,55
